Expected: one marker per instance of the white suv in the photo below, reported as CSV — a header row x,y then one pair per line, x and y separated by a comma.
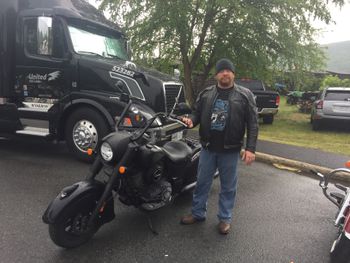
x,y
333,104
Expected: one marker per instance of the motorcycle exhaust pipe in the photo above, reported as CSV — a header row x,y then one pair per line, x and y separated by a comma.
x,y
189,187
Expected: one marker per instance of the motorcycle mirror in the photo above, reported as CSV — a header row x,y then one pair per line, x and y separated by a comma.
x,y
347,164
183,108
124,98
120,86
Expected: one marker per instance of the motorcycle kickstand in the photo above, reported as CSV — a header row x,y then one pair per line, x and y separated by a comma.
x,y
149,223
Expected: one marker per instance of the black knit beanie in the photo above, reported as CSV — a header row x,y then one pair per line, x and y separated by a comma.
x,y
224,63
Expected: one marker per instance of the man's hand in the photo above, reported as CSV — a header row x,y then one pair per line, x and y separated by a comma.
x,y
248,157
187,121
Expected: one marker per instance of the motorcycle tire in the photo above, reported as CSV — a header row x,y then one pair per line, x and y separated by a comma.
x,y
71,229
340,250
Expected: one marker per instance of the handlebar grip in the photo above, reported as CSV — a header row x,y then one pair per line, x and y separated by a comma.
x,y
178,118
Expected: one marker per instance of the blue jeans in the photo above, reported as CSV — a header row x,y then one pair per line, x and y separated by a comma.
x,y
226,163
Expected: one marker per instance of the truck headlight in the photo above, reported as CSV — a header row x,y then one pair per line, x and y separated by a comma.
x,y
106,152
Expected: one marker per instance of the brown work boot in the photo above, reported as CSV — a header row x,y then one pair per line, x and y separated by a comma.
x,y
224,228
190,219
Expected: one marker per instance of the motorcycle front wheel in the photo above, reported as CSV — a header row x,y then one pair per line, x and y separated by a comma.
x,y
340,250
72,228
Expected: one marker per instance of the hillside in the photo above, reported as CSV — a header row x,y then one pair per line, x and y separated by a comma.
x,y
338,55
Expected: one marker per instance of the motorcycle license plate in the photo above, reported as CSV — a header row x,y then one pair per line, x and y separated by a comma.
x,y
177,136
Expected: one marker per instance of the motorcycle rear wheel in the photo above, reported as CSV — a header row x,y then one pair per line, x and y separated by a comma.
x,y
72,230
340,250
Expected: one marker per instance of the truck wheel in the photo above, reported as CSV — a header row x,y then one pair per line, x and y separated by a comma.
x,y
268,119
84,130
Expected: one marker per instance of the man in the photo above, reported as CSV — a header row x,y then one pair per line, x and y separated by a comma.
x,y
224,111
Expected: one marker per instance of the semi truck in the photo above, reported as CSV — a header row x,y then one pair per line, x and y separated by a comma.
x,y
64,68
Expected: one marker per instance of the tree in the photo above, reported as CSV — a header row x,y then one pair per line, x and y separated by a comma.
x,y
334,81
260,36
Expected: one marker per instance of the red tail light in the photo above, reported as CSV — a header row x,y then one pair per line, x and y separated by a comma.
x,y
319,105
278,100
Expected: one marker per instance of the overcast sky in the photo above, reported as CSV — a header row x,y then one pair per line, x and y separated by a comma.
x,y
340,31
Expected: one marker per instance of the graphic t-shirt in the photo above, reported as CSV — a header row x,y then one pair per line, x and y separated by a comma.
x,y
219,118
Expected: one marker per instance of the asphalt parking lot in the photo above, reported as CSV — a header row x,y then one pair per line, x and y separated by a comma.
x,y
279,217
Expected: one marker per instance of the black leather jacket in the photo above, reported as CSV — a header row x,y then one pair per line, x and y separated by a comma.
x,y
242,115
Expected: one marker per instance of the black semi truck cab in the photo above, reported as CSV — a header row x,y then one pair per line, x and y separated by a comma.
x,y
63,68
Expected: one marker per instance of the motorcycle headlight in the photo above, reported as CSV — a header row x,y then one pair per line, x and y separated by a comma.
x,y
106,151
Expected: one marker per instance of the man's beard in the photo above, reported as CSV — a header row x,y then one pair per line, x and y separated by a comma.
x,y
225,82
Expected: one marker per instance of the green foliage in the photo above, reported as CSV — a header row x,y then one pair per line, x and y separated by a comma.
x,y
260,36
301,81
334,81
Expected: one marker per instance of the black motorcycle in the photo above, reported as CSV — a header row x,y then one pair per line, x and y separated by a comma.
x,y
143,167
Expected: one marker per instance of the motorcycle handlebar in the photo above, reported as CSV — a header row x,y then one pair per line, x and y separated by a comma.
x,y
177,119
324,179
139,133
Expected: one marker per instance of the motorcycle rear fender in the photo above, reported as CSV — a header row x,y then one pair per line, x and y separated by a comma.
x,y
70,194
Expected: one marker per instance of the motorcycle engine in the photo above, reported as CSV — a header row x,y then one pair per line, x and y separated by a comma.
x,y
155,173
150,187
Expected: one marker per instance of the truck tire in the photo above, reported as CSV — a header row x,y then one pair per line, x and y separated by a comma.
x,y
84,130
268,119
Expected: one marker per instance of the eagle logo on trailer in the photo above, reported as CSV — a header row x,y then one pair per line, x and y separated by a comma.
x,y
54,75
38,78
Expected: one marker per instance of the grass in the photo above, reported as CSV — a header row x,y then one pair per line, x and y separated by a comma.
x,y
294,128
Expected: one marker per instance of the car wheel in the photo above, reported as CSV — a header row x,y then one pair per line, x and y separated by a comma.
x,y
84,130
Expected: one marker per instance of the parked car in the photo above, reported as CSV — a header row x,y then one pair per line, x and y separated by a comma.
x,y
267,101
332,105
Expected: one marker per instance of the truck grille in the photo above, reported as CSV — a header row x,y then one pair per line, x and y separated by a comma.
x,y
171,92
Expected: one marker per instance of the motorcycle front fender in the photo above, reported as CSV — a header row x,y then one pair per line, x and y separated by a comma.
x,y
69,195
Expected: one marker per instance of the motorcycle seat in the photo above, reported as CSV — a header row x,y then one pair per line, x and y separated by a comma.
x,y
177,151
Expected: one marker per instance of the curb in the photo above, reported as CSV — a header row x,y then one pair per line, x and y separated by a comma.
x,y
304,167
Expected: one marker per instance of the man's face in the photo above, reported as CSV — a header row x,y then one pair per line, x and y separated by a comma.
x,y
225,78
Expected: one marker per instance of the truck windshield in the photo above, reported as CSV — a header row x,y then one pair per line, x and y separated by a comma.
x,y
91,43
